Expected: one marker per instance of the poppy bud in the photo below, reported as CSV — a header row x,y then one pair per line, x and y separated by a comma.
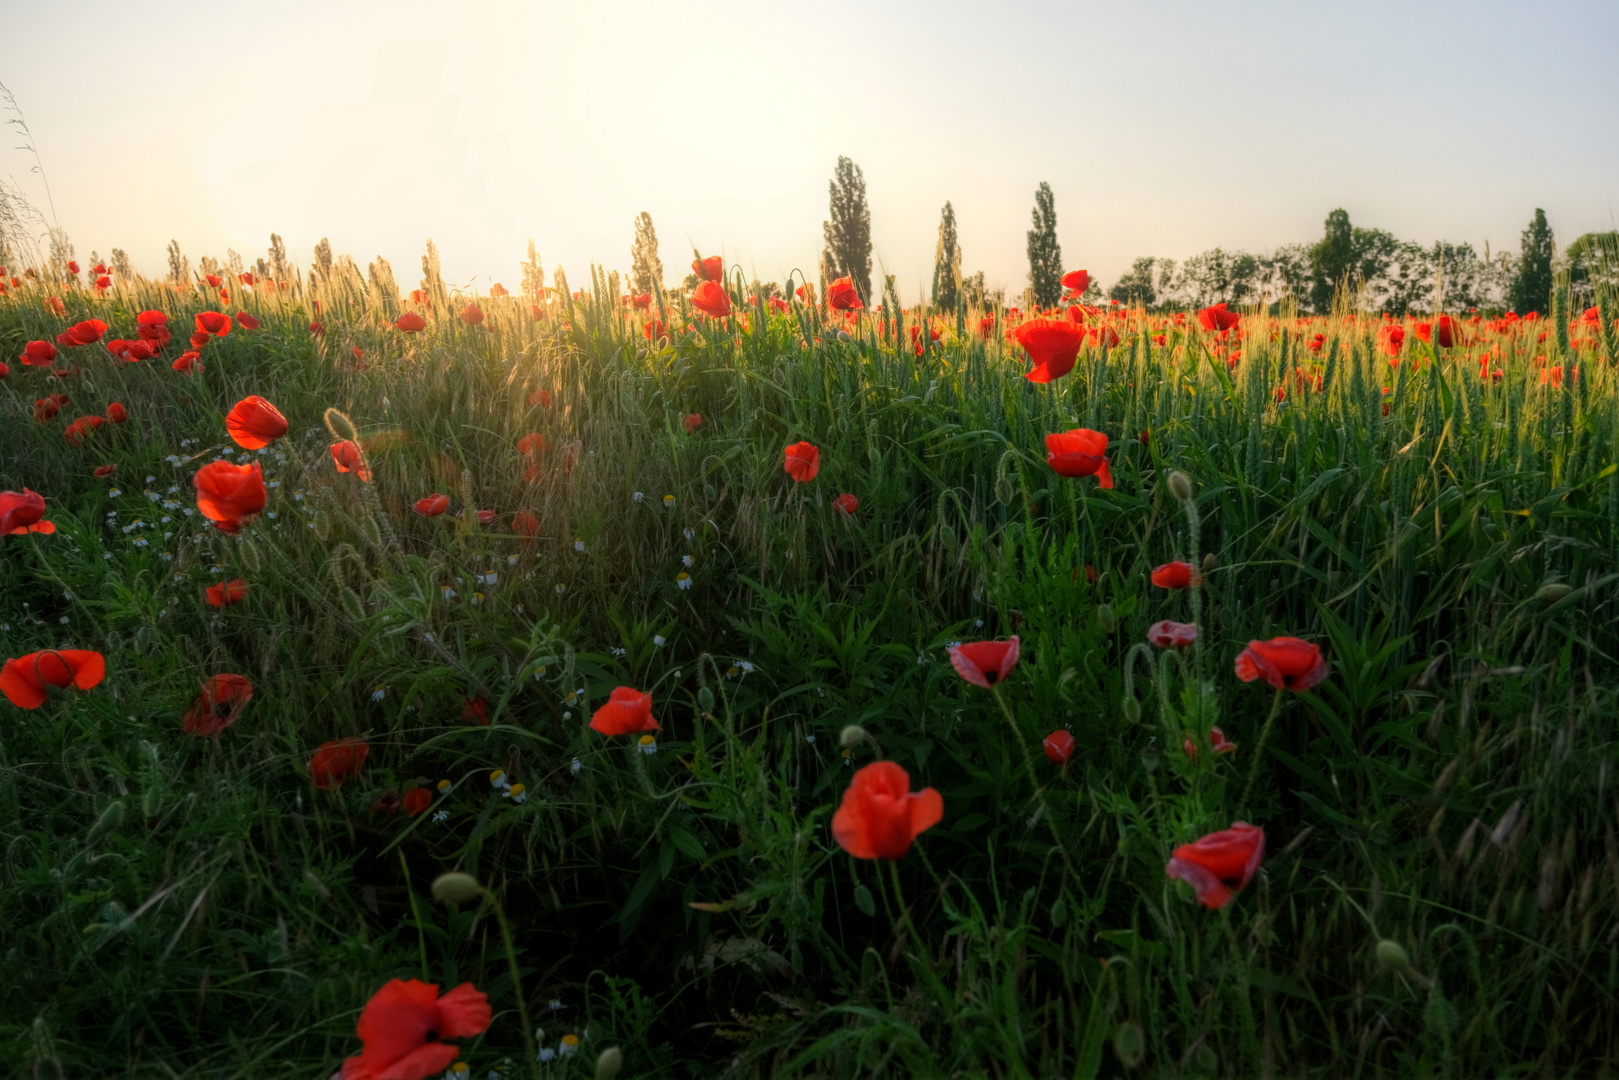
x,y
854,734
1180,485
111,818
1132,711
1105,616
1552,591
608,1064
455,888
1129,1043
705,698
1210,563
1392,955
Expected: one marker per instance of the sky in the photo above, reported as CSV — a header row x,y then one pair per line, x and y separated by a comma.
x,y
1165,127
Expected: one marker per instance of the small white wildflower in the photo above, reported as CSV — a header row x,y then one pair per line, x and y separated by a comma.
x,y
486,579
567,715
618,650
511,560
140,541
575,767
63,620
683,580
516,794
174,489
569,1046
669,501
271,483
689,534
449,593
648,745
747,668
114,493
688,560
538,672
106,554
810,739
379,693
151,479
429,638
659,640
640,497
579,546
498,781
270,514
561,590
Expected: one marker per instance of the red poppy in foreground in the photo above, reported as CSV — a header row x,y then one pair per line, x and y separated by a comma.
x,y
1080,452
1171,635
87,332
221,701
1217,318
1287,663
400,1027
254,423
21,511
246,321
1176,575
117,413
228,495
25,679
1059,746
710,299
802,461
213,323
38,354
337,761
433,505
472,315
691,422
841,295
485,517
709,269
475,710
417,799
881,816
188,363
627,711
347,457
846,504
1442,332
1052,344
410,322
1218,862
1077,281
227,593
985,663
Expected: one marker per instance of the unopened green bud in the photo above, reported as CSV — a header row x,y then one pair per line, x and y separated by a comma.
x,y
1105,616
608,1064
1132,711
456,888
1392,955
111,818
1553,592
852,735
1180,485
705,698
1210,563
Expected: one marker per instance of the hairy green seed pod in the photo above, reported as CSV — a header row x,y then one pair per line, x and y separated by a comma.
x,y
371,531
608,1064
249,554
705,698
1210,563
1132,710
340,425
1180,485
1553,591
852,735
323,526
1392,955
353,606
112,818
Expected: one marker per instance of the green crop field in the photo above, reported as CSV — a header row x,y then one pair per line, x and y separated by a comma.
x,y
195,884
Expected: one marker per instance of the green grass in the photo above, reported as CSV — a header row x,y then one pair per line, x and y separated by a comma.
x,y
175,906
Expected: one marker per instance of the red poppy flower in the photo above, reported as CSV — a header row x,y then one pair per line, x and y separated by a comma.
x,y
38,354
542,398
691,422
533,445
472,315
1218,861
410,322
229,494
317,329
526,525
87,332
1080,452
880,816
221,701
626,712
1104,337
710,299
246,278
227,593
1218,741
497,289
103,282
212,323
985,663
72,267
25,679
45,409
5,369
386,803
347,457
841,295
246,321
709,269
846,504
419,296
1176,575
151,320
802,461
1287,663
105,470
432,505
475,710
21,512
1217,318
213,280
54,304
1172,635
1052,345
402,1023
1059,746
485,517
188,363
334,762
1077,281
1443,332
254,423
417,799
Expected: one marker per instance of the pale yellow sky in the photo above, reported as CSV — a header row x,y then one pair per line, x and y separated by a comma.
x,y
1164,127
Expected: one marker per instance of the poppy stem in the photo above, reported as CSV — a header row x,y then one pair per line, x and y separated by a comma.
x,y
1259,750
904,908
415,909
517,985
1017,736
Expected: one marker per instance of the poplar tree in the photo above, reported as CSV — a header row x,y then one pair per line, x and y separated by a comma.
x,y
947,263
1045,255
848,232
646,269
1532,288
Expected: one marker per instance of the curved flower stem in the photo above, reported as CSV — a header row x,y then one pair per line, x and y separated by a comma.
x,y
1017,736
904,908
517,985
1259,750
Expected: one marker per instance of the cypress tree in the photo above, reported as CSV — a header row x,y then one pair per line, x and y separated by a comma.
x,y
848,232
646,269
1045,255
1532,288
947,263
